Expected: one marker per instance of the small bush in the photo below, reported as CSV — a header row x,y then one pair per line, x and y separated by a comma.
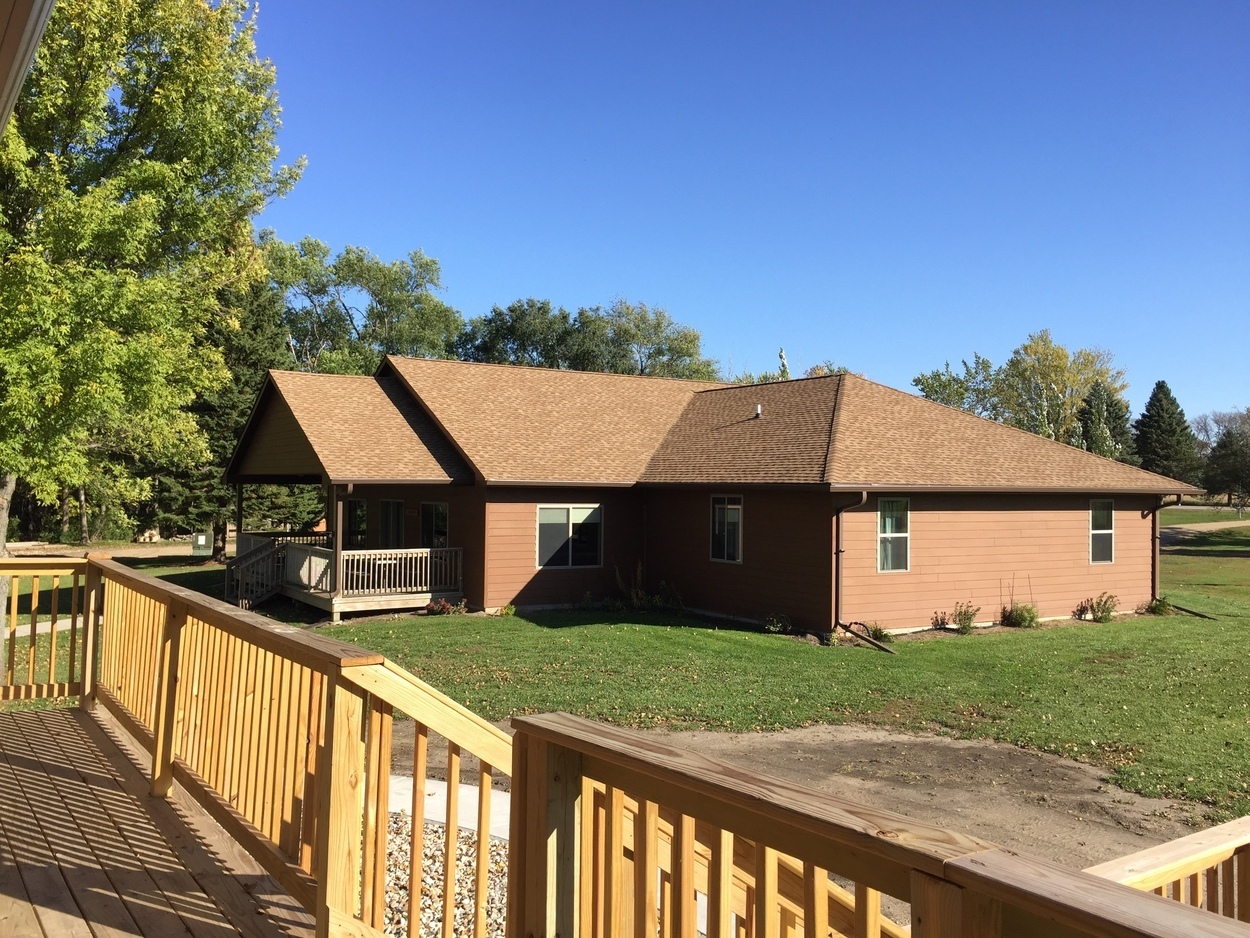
x,y
588,601
964,617
940,620
441,607
778,624
508,609
1019,616
613,604
1157,607
1101,609
880,634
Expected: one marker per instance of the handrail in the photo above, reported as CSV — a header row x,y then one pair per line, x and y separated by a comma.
x,y
42,669
957,885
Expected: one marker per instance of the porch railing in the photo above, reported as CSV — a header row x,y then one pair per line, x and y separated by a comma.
x,y
285,737
251,539
380,572
309,567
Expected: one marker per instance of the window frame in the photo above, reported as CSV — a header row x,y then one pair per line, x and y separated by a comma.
x,y
383,503
1109,531
906,536
711,527
569,507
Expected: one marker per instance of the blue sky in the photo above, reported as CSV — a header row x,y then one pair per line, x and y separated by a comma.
x,y
887,185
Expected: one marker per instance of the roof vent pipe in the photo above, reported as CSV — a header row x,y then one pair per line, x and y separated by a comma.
x,y
759,411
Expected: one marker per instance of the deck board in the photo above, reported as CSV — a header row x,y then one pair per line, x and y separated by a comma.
x,y
86,851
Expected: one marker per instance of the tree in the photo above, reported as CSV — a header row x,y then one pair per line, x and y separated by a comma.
x,y
344,313
975,391
657,345
527,332
1163,438
1042,385
252,340
1227,469
1103,426
140,148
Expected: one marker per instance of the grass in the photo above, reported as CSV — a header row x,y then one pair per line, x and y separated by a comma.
x,y
1159,702
22,665
1200,515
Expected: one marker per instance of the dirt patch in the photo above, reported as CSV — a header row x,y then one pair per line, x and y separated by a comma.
x,y
1029,801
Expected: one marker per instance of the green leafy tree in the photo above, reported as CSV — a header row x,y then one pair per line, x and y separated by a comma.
x,y
1042,386
345,312
140,148
252,340
974,390
1164,441
526,332
1227,470
1103,424
655,344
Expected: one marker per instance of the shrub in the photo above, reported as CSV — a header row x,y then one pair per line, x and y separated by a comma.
x,y
1157,607
965,617
880,634
441,607
507,609
588,601
940,620
1019,616
1100,610
778,624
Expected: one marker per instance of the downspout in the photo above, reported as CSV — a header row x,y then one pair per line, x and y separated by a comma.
x,y
1154,541
837,557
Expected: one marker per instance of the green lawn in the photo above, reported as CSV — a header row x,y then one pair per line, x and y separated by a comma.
x,y
1160,702
1199,515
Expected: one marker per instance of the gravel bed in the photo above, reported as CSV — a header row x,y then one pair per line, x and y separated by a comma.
x,y
397,875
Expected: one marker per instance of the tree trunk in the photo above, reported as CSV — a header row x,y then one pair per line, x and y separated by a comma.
x,y
64,515
219,540
83,534
8,482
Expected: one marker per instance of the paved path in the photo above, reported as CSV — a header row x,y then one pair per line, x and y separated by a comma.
x,y
1173,534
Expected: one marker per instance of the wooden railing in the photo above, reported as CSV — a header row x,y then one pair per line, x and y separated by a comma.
x,y
43,634
1209,870
310,568
254,576
416,570
250,539
284,736
739,844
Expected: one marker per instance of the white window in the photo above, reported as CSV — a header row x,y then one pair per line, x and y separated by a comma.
x,y
727,528
570,535
392,528
1101,530
893,540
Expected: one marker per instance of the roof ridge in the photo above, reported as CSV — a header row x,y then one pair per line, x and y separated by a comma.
x,y
730,386
559,371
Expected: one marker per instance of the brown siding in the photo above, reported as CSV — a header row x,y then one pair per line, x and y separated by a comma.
x,y
787,554
465,524
987,549
277,446
513,575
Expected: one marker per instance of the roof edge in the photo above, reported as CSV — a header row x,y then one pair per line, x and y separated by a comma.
x,y
231,475
1179,489
386,368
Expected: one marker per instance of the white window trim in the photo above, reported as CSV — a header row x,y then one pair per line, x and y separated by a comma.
x,y
1092,532
906,537
538,564
711,521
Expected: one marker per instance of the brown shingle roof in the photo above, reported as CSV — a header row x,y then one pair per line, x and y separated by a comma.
x,y
539,425
848,432
368,429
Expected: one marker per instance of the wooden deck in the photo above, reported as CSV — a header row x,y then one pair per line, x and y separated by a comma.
x,y
85,850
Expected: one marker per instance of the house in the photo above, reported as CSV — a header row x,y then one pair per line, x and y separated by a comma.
x,y
832,499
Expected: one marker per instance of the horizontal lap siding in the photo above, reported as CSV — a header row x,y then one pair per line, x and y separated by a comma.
x,y
787,554
987,549
277,446
466,522
512,546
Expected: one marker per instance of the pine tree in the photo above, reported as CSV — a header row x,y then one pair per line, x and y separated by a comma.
x,y
1104,427
1227,470
1165,443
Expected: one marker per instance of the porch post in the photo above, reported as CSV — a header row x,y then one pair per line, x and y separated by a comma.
x,y
238,516
337,589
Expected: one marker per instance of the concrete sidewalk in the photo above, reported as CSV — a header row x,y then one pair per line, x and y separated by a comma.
x,y
436,804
